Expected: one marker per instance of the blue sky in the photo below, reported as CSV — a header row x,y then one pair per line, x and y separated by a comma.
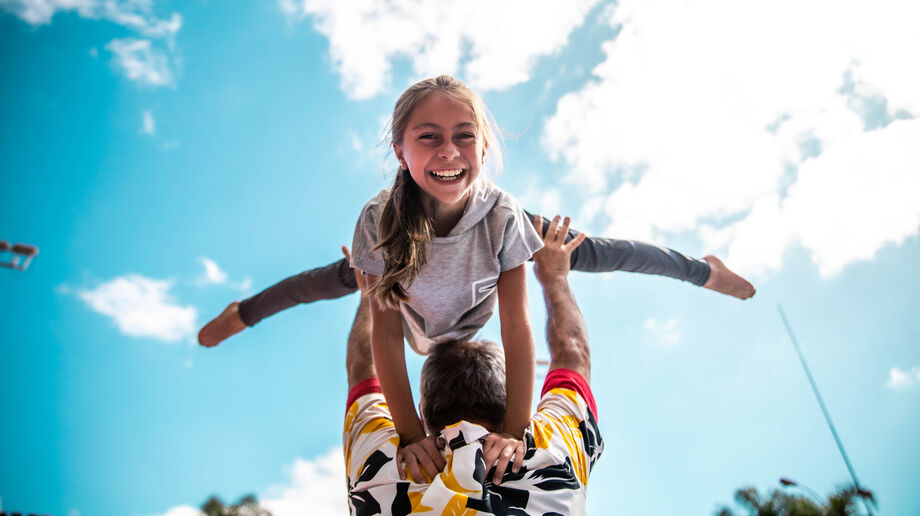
x,y
169,157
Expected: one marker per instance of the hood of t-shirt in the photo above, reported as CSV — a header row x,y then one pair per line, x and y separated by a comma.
x,y
483,195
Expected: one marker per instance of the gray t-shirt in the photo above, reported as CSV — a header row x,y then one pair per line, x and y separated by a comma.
x,y
455,292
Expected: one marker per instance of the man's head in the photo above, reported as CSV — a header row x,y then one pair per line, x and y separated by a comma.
x,y
464,381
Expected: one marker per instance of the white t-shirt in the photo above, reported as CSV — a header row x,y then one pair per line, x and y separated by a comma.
x,y
455,293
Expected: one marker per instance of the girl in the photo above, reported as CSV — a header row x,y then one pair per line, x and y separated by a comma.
x,y
440,249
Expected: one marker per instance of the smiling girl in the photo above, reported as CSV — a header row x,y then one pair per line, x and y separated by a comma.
x,y
441,249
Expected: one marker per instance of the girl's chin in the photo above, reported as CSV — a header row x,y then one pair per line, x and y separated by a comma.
x,y
448,197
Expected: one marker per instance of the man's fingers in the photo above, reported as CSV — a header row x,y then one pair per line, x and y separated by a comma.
x,y
564,230
551,232
347,254
538,224
575,242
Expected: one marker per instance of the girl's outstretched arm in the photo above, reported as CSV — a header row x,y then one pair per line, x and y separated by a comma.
x,y
517,339
415,448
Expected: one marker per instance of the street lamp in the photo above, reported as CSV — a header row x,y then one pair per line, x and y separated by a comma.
x,y
22,255
788,482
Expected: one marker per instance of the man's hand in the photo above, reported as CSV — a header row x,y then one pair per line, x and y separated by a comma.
x,y
552,261
225,325
422,451
501,448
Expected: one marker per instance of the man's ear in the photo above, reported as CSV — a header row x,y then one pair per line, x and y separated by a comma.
x,y
421,416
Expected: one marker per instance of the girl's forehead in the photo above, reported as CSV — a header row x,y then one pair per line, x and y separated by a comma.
x,y
443,110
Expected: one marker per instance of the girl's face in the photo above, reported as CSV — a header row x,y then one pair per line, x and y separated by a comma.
x,y
442,148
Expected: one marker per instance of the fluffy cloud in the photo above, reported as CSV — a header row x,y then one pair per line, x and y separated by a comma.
x,y
750,125
133,14
141,62
148,124
214,275
142,307
139,58
212,272
898,379
664,332
183,510
499,42
314,487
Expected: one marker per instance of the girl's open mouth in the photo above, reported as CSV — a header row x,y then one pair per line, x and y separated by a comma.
x,y
447,175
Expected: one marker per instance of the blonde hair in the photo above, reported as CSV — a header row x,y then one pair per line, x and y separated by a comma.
x,y
404,229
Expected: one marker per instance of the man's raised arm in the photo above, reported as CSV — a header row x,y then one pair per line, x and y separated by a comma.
x,y
359,361
566,334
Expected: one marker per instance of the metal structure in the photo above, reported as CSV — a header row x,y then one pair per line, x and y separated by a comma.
x,y
22,255
827,415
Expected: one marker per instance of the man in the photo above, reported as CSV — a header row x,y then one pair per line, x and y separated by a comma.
x,y
462,399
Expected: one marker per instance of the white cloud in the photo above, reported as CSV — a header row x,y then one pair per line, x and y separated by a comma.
x,y
497,42
141,62
133,14
40,12
148,124
898,379
214,275
664,332
245,285
142,307
212,272
702,119
183,510
313,487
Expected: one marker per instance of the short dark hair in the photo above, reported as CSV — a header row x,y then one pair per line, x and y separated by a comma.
x,y
463,380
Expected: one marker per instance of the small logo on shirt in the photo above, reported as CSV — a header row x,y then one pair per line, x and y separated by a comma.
x,y
482,288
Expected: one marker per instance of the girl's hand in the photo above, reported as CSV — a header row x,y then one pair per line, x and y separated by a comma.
x,y
498,449
424,451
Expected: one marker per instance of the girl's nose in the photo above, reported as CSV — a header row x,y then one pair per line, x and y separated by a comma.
x,y
448,151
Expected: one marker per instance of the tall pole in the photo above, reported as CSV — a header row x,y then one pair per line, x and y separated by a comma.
x,y
827,416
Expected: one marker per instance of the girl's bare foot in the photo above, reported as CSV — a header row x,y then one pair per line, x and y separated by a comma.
x,y
722,279
225,325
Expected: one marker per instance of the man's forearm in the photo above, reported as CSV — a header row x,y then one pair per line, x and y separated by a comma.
x,y
566,334
359,361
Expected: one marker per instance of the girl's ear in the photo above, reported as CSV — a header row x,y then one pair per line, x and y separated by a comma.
x,y
399,155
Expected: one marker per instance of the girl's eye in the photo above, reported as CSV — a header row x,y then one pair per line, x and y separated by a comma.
x,y
466,135
427,137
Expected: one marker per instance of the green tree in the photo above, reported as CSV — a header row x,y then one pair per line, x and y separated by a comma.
x,y
245,506
842,502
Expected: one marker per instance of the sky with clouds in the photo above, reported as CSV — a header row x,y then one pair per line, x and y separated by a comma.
x,y
170,157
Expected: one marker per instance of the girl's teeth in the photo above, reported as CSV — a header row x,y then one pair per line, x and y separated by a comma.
x,y
446,174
